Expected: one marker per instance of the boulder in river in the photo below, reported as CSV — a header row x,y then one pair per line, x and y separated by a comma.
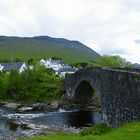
x,y
54,104
12,106
39,106
2,103
25,108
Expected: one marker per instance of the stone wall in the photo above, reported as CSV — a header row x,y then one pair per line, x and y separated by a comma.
x,y
117,89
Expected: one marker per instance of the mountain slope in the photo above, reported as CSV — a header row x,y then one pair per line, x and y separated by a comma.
x,y
44,47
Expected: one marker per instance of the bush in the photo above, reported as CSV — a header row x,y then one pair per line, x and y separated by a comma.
x,y
36,85
4,83
96,130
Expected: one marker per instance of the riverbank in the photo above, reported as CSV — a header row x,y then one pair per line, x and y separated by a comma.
x,y
26,107
46,106
19,117
31,122
8,135
129,131
18,128
35,125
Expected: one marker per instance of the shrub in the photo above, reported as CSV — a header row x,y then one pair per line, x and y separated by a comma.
x,y
36,85
96,130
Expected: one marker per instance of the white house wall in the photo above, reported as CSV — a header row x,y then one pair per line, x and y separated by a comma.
x,y
23,67
1,68
42,62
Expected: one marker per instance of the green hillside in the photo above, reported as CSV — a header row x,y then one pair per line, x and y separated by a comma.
x,y
45,47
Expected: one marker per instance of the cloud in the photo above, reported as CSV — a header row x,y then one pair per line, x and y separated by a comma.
x,y
67,9
107,26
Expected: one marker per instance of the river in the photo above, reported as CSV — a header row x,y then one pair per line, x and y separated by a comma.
x,y
60,118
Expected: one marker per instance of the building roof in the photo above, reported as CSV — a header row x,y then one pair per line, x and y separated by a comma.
x,y
12,65
66,70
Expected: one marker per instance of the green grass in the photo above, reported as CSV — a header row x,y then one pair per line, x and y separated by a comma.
x,y
129,131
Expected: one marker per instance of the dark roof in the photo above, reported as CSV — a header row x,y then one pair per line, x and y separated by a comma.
x,y
66,70
12,65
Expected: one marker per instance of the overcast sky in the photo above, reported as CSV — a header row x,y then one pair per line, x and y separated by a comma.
x,y
106,26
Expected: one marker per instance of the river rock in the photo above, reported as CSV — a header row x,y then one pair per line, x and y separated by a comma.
x,y
25,108
8,136
2,103
30,133
12,106
39,106
71,130
54,104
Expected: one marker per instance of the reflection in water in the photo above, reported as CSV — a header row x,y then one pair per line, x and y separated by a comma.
x,y
71,118
83,118
6,125
76,119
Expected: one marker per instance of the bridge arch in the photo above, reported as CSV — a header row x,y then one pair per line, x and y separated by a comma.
x,y
86,92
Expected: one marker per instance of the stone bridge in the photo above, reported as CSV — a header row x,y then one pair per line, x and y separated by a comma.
x,y
118,91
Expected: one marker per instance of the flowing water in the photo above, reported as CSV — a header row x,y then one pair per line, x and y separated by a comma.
x,y
60,118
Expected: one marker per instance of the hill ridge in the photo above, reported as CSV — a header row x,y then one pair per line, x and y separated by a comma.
x,y
45,46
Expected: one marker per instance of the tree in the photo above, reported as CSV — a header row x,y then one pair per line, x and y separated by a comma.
x,y
32,85
4,81
14,85
18,59
31,61
113,61
80,65
56,58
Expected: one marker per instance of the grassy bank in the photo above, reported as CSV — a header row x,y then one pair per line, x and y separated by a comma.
x,y
130,131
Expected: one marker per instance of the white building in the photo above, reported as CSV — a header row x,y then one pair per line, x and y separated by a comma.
x,y
58,66
54,64
1,68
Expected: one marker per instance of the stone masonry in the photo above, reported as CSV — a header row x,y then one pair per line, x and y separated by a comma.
x,y
117,89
